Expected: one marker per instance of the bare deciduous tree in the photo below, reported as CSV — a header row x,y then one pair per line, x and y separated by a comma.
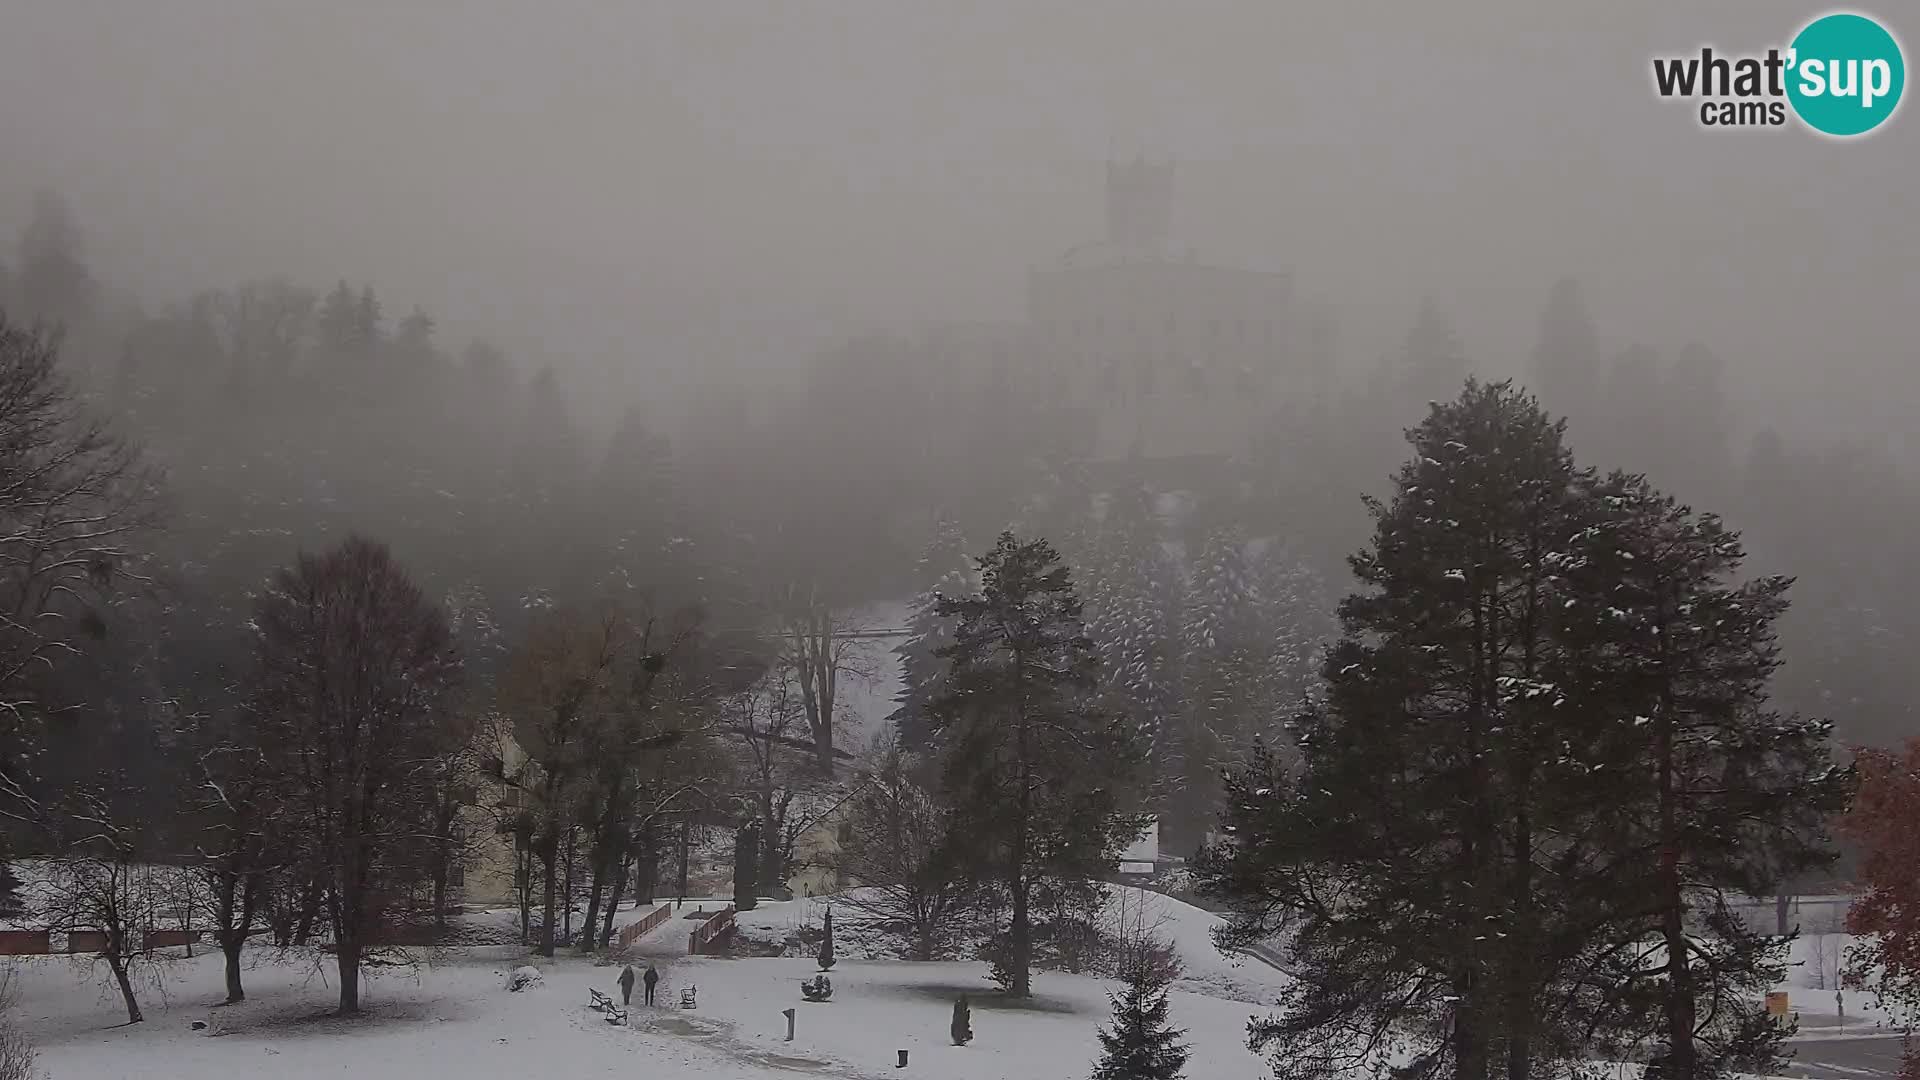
x,y
817,646
17,1058
784,794
891,847
354,680
555,690
96,885
74,502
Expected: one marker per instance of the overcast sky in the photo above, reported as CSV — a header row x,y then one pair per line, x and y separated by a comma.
x,y
617,184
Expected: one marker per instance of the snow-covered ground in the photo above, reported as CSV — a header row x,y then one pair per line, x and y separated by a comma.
x,y
453,1015
1810,984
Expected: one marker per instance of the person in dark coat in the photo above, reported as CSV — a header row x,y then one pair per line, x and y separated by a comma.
x,y
651,978
626,986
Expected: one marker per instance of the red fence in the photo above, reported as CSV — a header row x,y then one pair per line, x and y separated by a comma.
x,y
25,942
167,939
710,931
87,941
633,932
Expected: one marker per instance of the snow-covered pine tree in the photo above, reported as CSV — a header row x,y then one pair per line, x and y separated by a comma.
x,y
1296,611
1722,794
1453,757
944,570
11,904
1141,1043
1133,589
1036,772
1228,672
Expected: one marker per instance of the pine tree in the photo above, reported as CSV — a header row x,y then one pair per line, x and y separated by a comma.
x,y
1433,362
1140,1043
1725,794
1295,610
1566,360
944,570
51,282
10,900
338,321
641,510
367,332
962,1027
1228,669
1432,780
825,958
1133,592
1035,771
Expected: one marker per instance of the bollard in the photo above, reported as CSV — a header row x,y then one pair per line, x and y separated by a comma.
x,y
903,1060
788,1013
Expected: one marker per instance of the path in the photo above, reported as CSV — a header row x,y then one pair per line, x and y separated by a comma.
x,y
1861,1058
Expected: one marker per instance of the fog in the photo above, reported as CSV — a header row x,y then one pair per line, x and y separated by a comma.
x,y
619,189
711,251
1378,474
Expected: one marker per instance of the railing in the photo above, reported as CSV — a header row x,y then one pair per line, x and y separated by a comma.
x,y
25,943
633,932
710,931
165,939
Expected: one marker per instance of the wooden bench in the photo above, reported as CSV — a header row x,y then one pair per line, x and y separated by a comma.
x,y
601,1003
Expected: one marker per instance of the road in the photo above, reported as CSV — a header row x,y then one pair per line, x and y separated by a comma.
x,y
1845,1059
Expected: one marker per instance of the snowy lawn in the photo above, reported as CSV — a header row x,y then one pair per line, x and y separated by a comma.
x,y
453,1015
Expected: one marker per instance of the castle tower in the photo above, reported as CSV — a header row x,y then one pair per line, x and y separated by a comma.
x,y
1139,204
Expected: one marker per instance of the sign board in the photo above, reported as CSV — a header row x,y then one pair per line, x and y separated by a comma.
x,y
1777,1004
1144,869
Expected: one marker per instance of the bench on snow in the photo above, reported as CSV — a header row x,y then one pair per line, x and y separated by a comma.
x,y
601,1003
687,996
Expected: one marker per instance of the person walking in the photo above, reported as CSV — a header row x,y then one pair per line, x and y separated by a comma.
x,y
626,986
652,978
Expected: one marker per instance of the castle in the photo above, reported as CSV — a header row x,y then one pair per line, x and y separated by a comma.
x,y
1158,356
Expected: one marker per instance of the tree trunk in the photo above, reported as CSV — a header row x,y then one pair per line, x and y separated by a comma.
x,y
566,890
548,880
231,943
643,863
613,902
683,860
1469,1048
523,884
1682,1061
1020,942
594,895
349,952
309,911
440,894
118,963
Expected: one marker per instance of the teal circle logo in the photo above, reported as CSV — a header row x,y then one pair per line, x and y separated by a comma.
x,y
1845,74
